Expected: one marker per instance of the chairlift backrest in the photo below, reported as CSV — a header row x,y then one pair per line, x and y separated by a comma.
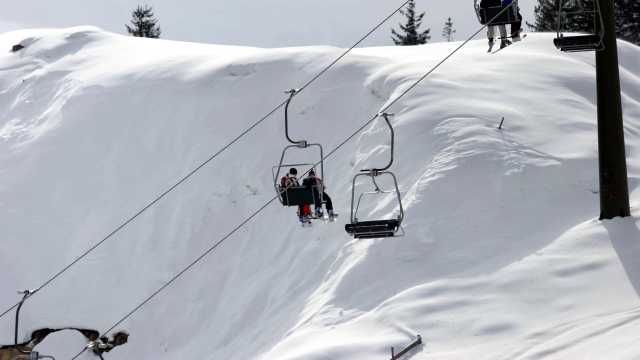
x,y
594,37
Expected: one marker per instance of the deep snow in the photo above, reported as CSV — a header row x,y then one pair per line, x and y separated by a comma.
x,y
503,257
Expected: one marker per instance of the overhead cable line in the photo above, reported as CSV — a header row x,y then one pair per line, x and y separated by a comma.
x,y
265,205
207,161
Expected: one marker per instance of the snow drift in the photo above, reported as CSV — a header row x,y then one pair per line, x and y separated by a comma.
x,y
503,257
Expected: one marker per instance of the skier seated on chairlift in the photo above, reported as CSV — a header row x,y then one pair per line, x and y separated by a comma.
x,y
491,29
315,183
516,27
291,179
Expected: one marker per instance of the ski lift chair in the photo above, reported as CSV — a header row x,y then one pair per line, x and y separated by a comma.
x,y
375,228
497,15
295,195
594,41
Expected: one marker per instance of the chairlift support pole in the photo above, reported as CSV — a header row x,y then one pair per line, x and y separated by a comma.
x,y
614,190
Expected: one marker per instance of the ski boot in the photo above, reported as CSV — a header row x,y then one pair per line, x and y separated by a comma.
x,y
305,221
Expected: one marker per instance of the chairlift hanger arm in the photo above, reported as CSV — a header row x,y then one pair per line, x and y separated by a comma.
x,y
375,171
300,143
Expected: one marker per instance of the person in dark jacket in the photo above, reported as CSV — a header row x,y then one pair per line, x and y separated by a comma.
x,y
317,186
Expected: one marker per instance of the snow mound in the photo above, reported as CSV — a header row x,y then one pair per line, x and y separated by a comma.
x,y
502,257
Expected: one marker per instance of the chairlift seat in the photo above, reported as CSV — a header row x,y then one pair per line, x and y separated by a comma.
x,y
296,196
507,17
578,43
373,229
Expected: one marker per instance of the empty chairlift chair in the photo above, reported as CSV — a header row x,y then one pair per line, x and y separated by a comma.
x,y
295,195
375,228
593,40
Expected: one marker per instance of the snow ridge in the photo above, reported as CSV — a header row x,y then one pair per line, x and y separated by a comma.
x,y
502,258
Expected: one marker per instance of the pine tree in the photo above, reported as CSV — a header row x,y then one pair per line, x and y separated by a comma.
x,y
545,13
546,16
628,20
448,31
411,34
144,23
627,17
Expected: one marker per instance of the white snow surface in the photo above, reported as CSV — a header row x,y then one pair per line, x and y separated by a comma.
x,y
503,257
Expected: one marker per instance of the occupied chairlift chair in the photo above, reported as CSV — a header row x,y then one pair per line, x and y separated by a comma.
x,y
590,42
295,195
499,14
375,228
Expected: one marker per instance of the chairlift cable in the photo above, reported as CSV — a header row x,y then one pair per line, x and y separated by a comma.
x,y
269,202
207,161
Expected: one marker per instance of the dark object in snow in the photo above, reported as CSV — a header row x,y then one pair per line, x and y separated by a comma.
x,y
413,345
17,47
501,122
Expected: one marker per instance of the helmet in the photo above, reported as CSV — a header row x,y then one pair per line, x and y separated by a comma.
x,y
312,172
293,171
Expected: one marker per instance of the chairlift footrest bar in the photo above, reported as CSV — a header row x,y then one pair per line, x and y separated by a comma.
x,y
578,43
373,229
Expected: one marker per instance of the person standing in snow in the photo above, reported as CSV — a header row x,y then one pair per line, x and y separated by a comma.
x,y
315,184
290,179
491,29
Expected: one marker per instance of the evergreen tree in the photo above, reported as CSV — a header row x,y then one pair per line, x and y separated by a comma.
x,y
546,16
411,35
628,20
448,31
627,17
144,23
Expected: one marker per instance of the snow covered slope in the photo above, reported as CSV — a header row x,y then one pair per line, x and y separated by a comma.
x,y
503,257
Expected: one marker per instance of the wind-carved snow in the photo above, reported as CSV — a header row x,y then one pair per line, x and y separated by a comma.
x,y
502,258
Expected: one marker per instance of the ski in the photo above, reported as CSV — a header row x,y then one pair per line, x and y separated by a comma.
x,y
511,44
